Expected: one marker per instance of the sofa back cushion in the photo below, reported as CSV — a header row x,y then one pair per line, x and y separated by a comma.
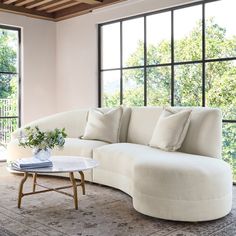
x,y
203,136
142,123
73,121
103,125
124,123
170,130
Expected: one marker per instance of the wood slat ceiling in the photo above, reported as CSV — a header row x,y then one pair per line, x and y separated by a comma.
x,y
54,10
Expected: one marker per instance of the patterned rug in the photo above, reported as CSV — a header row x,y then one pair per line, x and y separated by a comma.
x,y
103,211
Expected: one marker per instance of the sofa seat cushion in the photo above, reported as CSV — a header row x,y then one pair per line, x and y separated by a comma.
x,y
72,147
180,176
165,173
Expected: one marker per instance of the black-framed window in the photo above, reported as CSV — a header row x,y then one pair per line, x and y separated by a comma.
x,y
10,81
182,56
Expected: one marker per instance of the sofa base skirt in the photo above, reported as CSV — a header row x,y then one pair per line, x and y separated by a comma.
x,y
168,209
182,210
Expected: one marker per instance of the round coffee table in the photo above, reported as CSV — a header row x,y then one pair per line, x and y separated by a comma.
x,y
61,164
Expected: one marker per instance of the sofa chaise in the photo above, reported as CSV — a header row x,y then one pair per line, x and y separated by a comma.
x,y
191,184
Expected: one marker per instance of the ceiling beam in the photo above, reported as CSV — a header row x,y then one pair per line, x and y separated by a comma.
x,y
37,3
62,6
52,4
81,9
9,1
89,1
26,12
23,2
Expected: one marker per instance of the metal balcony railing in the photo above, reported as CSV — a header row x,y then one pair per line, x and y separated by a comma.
x,y
8,119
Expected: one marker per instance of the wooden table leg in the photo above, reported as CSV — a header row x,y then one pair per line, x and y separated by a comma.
x,y
34,181
21,189
82,181
74,185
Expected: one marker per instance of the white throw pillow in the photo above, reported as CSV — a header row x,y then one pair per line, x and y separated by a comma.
x,y
104,126
170,130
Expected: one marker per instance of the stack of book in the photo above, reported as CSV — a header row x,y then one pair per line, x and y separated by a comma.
x,y
31,163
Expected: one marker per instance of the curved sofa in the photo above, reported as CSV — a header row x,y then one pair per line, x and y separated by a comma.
x,y
193,184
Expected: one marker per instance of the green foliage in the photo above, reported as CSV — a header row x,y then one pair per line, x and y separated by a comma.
x,y
158,86
134,97
188,85
222,91
229,145
35,138
8,61
8,82
8,55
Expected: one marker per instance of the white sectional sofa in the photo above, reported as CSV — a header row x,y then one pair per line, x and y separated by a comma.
x,y
193,184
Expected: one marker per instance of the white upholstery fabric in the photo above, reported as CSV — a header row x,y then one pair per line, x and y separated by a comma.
x,y
203,136
169,185
142,123
103,125
73,121
170,130
114,169
124,124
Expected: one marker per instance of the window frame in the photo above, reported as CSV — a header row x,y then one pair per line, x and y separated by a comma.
x,y
172,64
19,73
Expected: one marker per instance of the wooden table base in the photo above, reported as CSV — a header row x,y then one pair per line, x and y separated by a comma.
x,y
73,185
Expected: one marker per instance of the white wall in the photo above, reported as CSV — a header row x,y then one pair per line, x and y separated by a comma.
x,y
39,67
77,81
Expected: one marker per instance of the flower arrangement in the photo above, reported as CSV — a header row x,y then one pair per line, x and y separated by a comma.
x,y
39,140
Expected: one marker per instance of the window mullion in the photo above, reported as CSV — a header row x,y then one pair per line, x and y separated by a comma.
x,y
121,63
99,68
145,61
203,57
172,59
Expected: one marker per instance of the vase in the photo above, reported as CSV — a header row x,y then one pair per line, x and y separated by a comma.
x,y
42,154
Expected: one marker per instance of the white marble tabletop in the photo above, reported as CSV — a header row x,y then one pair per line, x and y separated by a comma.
x,y
64,164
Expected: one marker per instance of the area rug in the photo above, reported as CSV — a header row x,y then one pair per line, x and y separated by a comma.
x,y
103,211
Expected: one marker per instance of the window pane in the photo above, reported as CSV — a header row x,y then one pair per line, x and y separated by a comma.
x,y
133,38
8,95
8,51
133,87
188,33
7,126
110,46
159,38
229,145
220,29
159,86
188,85
221,87
111,88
